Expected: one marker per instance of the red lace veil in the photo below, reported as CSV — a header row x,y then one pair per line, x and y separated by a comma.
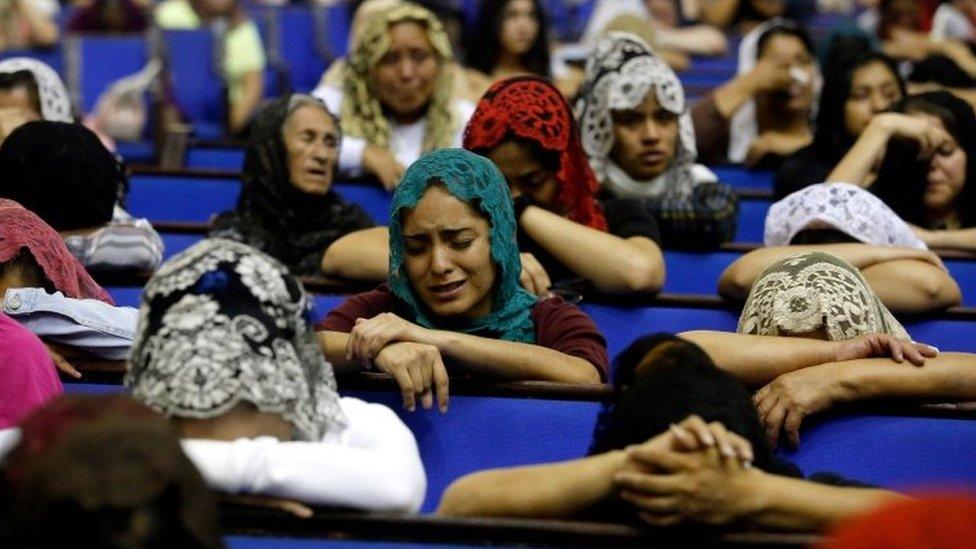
x,y
20,228
531,108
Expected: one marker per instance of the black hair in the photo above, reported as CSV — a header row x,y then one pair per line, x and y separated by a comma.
x,y
831,140
747,12
63,173
28,270
902,178
654,392
785,28
22,79
484,50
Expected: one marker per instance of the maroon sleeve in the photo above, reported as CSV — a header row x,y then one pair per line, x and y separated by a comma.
x,y
364,305
711,131
563,327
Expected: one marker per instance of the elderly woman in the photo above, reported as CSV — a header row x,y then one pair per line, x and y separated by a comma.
x,y
396,97
524,126
637,132
454,293
77,187
287,207
224,350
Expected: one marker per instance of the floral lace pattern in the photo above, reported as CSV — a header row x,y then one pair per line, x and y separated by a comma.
x,y
842,206
55,102
22,228
812,291
531,108
222,323
620,72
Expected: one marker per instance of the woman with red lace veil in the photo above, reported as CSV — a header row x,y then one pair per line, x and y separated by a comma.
x,y
527,129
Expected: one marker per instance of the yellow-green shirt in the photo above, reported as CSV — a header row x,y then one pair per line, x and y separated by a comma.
x,y
243,49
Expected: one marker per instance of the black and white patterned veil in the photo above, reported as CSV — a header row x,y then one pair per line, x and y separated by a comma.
x,y
620,72
55,102
222,323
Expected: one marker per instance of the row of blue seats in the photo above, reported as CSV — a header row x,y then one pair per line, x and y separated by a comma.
x,y
622,324
176,198
168,198
481,432
217,158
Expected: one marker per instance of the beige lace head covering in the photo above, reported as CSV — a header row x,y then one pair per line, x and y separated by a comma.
x,y
812,291
362,114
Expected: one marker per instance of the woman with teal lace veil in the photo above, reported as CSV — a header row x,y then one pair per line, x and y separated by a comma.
x,y
453,301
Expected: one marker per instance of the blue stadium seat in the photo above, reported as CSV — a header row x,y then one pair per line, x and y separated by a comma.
x,y
197,81
128,55
372,197
752,220
484,432
902,453
224,158
302,47
264,542
180,198
744,178
335,21
136,152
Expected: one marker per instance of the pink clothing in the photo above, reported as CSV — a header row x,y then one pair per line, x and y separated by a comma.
x,y
28,377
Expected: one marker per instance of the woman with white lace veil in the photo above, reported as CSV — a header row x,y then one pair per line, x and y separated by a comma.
x,y
638,134
48,98
30,90
225,348
852,223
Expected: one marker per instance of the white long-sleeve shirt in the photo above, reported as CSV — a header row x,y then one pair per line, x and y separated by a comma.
x,y
88,324
371,464
406,140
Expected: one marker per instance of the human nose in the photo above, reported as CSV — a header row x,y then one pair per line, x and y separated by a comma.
x,y
440,260
879,103
320,153
650,133
407,67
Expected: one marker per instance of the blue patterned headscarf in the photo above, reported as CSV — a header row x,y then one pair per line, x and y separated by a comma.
x,y
477,182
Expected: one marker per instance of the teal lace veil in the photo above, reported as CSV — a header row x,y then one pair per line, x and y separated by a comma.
x,y
477,182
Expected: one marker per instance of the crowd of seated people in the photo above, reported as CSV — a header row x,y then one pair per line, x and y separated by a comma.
x,y
517,188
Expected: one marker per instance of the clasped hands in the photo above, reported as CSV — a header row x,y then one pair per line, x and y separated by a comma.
x,y
694,472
